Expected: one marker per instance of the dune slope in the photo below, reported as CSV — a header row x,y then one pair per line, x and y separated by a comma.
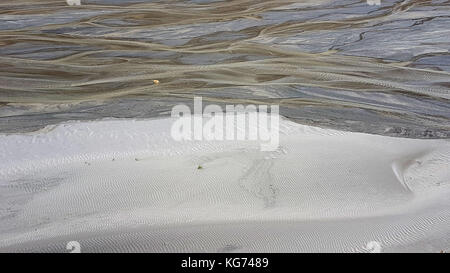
x,y
127,186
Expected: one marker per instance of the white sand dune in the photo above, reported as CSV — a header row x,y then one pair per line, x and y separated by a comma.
x,y
126,186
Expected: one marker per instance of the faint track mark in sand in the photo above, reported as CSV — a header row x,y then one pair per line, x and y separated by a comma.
x,y
423,170
256,178
257,181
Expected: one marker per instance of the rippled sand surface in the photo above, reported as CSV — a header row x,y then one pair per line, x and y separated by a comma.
x,y
126,186
341,64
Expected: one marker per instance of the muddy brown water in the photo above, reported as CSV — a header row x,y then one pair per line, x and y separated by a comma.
x,y
339,64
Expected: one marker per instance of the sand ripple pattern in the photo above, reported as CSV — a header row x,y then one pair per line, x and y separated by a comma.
x,y
348,65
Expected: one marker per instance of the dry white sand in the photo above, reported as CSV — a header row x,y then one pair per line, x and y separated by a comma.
x,y
126,186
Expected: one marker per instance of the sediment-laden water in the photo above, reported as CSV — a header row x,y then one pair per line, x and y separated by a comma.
x,y
341,64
